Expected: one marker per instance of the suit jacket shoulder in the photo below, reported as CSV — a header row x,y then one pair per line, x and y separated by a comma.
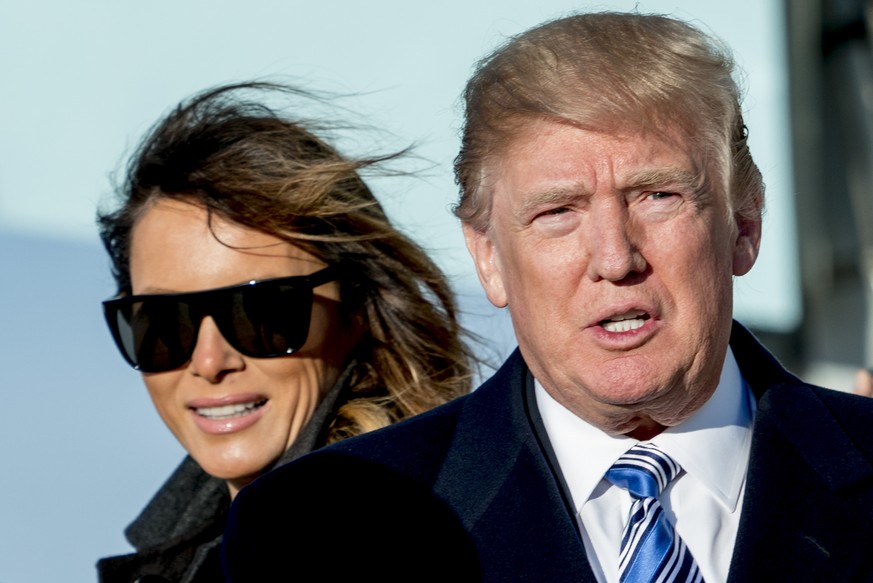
x,y
808,509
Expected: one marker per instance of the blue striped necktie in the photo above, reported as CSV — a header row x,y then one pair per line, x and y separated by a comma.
x,y
651,549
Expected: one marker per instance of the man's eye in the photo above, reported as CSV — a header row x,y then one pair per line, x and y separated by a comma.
x,y
661,195
556,211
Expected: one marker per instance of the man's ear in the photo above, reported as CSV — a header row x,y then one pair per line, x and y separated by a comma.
x,y
487,261
747,243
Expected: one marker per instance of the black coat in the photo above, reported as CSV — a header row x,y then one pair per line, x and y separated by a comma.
x,y
177,535
467,492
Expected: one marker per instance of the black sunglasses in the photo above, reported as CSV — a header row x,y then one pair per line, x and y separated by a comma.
x,y
261,319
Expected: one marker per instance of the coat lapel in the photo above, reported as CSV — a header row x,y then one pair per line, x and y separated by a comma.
x,y
500,482
808,507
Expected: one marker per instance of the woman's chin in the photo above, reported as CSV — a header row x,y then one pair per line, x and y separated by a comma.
x,y
239,470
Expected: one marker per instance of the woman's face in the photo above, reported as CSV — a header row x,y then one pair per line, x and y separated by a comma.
x,y
234,414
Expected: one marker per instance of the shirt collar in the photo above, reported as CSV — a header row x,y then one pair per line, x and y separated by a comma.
x,y
712,445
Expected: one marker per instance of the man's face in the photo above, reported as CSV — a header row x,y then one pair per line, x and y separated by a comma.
x,y
616,260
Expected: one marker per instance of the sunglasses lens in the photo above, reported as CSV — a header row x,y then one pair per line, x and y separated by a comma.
x,y
154,335
267,319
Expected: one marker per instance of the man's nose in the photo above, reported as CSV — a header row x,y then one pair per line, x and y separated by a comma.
x,y
611,240
213,357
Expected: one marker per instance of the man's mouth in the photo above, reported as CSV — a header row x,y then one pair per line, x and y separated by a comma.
x,y
229,411
625,322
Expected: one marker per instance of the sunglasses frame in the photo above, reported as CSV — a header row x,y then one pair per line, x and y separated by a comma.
x,y
113,307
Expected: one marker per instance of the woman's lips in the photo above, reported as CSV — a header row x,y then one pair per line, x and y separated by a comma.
x,y
227,415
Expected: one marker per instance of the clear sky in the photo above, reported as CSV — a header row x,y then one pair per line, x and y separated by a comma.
x,y
81,448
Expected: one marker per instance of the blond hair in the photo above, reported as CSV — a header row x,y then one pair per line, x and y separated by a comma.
x,y
609,71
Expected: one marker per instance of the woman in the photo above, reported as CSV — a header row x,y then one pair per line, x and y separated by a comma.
x,y
271,308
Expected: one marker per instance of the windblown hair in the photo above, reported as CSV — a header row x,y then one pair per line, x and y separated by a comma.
x,y
609,72
244,162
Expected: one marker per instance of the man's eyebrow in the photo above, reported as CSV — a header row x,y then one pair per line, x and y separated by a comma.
x,y
665,177
572,193
556,196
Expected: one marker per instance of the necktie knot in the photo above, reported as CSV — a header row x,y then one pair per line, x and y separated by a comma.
x,y
651,550
644,471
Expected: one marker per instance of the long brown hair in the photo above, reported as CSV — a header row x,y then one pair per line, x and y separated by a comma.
x,y
245,162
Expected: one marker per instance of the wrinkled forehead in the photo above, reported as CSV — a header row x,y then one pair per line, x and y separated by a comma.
x,y
700,158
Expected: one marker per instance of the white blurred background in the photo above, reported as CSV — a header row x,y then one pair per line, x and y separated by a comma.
x,y
81,448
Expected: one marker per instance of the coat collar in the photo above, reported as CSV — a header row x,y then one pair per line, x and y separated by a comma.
x,y
806,514
502,485
803,415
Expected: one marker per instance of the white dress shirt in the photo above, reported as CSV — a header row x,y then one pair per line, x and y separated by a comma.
x,y
703,502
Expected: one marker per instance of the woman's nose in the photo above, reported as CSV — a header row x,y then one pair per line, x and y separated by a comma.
x,y
213,357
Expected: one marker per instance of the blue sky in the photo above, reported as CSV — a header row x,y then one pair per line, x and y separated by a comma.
x,y
81,446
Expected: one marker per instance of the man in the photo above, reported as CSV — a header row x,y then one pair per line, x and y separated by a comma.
x,y
608,199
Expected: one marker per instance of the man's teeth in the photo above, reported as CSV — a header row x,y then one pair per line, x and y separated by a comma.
x,y
228,411
625,322
624,325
